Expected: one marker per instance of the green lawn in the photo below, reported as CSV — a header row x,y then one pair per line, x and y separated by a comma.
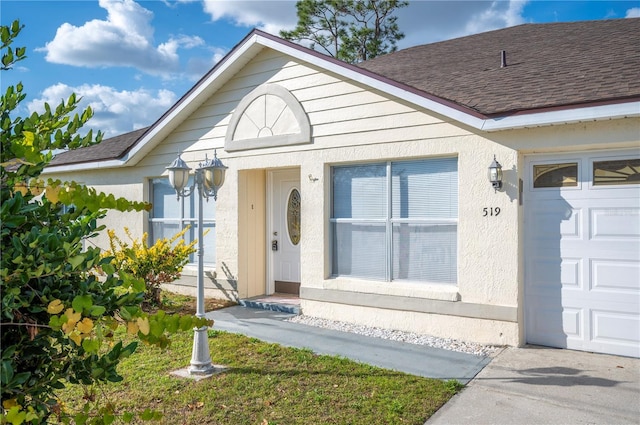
x,y
267,384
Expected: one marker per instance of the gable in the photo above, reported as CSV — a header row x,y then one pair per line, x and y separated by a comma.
x,y
461,80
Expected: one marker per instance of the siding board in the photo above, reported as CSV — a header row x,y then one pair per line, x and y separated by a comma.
x,y
341,113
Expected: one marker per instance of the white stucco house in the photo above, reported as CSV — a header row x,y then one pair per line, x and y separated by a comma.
x,y
371,179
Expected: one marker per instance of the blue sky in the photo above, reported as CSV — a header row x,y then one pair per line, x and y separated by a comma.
x,y
132,60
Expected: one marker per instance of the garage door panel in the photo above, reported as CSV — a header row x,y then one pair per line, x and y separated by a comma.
x,y
616,329
553,323
616,275
573,322
618,223
549,218
548,270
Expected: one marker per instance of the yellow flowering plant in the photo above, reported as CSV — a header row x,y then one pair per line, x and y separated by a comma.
x,y
157,264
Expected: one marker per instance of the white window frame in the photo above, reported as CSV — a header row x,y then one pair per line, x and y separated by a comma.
x,y
182,222
388,222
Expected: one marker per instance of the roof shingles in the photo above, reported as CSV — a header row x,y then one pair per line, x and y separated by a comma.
x,y
548,65
112,148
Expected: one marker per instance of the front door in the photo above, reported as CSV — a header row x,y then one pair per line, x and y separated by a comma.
x,y
285,231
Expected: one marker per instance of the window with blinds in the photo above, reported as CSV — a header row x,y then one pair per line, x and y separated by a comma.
x,y
170,215
396,220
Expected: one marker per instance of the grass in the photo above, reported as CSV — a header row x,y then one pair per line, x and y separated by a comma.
x,y
267,384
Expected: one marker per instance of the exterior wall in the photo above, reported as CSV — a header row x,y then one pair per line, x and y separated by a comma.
x,y
474,329
353,124
126,184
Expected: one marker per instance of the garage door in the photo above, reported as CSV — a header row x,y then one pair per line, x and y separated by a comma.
x,y
582,252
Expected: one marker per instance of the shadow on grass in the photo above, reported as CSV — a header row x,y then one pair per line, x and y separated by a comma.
x,y
292,372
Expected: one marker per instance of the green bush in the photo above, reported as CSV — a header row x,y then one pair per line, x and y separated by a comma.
x,y
157,264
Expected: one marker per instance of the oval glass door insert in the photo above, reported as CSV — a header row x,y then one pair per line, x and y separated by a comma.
x,y
293,216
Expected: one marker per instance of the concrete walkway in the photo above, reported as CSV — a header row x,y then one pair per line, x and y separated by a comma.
x,y
536,385
532,385
271,326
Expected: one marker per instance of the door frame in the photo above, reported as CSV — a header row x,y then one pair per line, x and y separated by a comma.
x,y
270,286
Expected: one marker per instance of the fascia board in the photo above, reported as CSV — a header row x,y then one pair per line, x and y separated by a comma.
x,y
85,166
566,116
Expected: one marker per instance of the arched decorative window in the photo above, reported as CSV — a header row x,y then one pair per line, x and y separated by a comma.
x,y
268,116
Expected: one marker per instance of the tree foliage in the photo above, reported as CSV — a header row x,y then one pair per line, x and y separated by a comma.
x,y
349,30
58,315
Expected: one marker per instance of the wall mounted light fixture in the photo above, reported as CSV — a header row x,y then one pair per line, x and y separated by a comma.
x,y
495,174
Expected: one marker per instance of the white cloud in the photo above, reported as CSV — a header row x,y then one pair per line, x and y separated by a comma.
x,y
115,112
175,3
497,16
634,12
198,66
125,38
269,16
429,21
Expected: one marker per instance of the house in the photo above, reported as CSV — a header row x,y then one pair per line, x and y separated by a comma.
x,y
364,187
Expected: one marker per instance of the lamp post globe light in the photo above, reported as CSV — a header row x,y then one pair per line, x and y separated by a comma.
x,y
209,177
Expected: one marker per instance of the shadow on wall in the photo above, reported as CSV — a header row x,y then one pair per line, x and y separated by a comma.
x,y
508,186
230,290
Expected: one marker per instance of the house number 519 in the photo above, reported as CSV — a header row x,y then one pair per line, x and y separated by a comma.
x,y
490,212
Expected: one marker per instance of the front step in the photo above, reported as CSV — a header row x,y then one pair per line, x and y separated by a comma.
x,y
283,305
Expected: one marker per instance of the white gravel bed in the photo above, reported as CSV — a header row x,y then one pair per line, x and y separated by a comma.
x,y
409,337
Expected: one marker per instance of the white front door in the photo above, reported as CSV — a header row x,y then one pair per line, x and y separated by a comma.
x,y
582,267
285,231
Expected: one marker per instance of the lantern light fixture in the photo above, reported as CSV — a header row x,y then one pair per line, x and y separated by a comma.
x,y
178,174
495,174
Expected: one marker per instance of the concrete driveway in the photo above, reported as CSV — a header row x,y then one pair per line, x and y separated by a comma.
x,y
538,385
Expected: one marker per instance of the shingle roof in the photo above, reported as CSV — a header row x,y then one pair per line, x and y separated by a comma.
x,y
548,65
556,65
112,148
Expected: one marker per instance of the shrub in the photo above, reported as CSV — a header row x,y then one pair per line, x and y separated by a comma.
x,y
157,264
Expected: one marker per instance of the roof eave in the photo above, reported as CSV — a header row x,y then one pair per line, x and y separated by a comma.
x,y
85,166
563,116
255,41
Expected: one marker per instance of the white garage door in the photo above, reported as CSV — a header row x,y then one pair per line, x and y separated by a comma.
x,y
582,252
